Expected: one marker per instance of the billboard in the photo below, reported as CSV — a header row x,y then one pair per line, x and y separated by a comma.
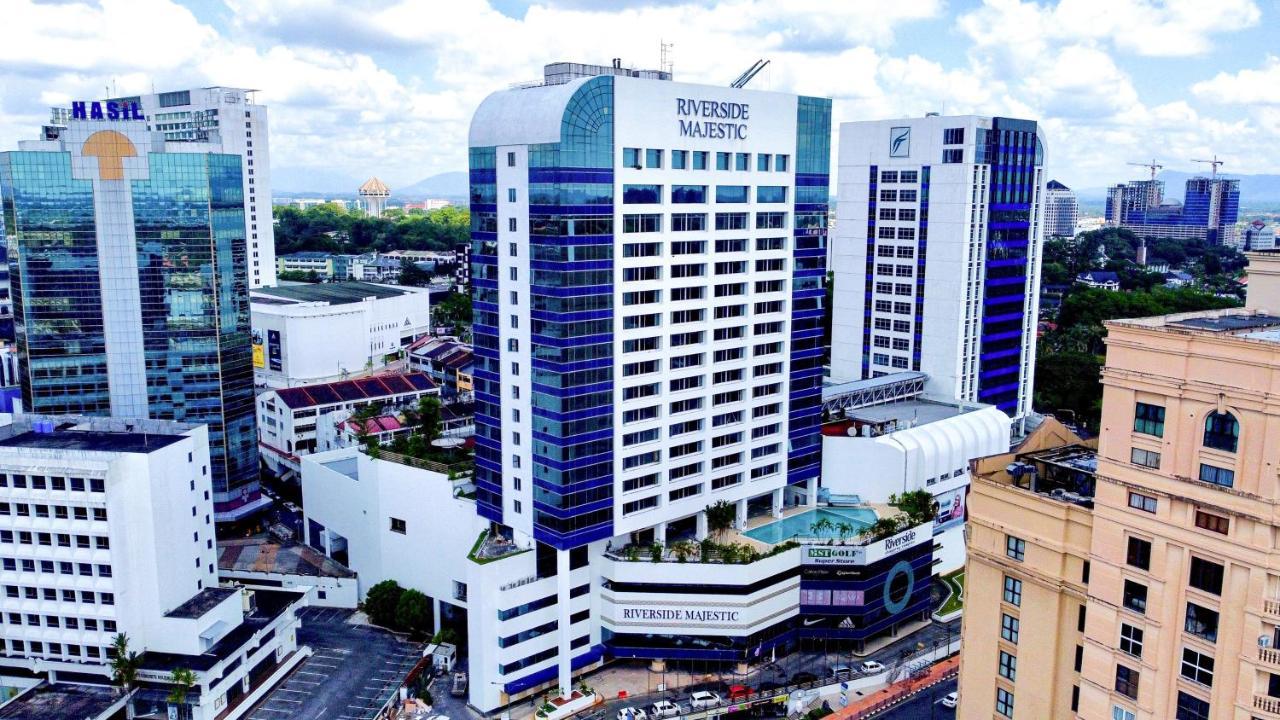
x,y
273,350
259,352
951,506
869,553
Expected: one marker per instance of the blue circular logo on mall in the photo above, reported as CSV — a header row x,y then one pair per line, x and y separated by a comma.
x,y
898,587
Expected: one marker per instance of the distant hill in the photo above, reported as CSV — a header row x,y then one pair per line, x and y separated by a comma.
x,y
449,185
1254,189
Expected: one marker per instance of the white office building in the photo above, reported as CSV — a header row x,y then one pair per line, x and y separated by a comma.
x,y
227,120
879,451
937,255
106,527
325,332
1061,210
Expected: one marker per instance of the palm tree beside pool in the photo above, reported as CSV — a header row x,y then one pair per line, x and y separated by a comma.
x,y
824,523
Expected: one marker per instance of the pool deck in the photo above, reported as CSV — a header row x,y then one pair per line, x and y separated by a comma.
x,y
737,536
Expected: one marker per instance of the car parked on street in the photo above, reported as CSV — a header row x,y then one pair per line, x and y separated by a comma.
x,y
839,672
664,708
871,666
704,699
951,699
632,713
737,692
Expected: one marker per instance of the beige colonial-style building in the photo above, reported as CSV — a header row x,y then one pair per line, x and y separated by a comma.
x,y
1181,582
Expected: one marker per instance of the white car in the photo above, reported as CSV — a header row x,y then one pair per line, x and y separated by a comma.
x,y
704,699
950,700
664,708
632,714
871,666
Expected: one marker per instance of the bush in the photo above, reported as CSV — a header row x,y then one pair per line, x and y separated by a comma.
x,y
382,603
413,612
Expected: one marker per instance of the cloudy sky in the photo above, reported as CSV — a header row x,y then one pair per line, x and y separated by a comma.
x,y
357,88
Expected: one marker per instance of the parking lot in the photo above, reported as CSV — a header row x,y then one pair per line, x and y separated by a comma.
x,y
353,672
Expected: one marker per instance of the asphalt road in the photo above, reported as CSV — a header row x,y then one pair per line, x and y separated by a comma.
x,y
353,672
924,706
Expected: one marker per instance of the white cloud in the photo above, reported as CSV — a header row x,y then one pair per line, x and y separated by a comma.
x,y
1247,87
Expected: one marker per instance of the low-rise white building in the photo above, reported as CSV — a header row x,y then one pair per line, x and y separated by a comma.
x,y
288,418
269,562
884,450
306,334
106,528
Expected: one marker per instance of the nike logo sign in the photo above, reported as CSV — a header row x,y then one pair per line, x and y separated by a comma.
x,y
810,623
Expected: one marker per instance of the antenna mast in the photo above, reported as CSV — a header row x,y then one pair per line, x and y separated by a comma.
x,y
665,63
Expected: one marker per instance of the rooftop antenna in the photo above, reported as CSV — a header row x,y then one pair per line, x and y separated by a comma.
x,y
1153,165
1215,162
664,56
751,72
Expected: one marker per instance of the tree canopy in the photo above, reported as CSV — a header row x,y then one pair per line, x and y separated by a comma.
x,y
330,227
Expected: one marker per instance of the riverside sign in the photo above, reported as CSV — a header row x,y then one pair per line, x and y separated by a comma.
x,y
866,554
707,119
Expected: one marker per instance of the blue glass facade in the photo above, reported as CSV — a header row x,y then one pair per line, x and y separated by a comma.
x,y
812,197
571,295
1013,151
191,252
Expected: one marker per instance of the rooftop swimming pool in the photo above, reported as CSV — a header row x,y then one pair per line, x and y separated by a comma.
x,y
802,525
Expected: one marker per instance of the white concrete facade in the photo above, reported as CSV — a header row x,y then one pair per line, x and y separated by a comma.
x,y
931,456
329,340
928,299
230,122
106,527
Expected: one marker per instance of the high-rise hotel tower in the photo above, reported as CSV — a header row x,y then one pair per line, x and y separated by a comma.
x,y
648,259
130,291
937,255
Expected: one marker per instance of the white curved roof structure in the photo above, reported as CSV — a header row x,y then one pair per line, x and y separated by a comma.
x,y
522,115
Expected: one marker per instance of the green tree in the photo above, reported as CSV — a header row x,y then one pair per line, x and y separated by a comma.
x,y
382,602
1070,381
429,417
454,312
918,505
124,669
412,275
720,516
413,613
181,679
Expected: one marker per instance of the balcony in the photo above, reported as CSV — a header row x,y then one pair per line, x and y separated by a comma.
x,y
1271,606
1270,656
1266,703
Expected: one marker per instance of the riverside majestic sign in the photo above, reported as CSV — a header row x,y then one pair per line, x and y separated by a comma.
x,y
866,554
680,615
713,119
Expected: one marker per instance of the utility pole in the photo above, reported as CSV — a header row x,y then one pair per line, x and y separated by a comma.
x,y
1215,162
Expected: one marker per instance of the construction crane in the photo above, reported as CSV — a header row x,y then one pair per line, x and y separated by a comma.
x,y
751,72
1215,162
1153,165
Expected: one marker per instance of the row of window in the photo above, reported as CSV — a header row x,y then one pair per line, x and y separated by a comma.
x,y
25,537
38,647
1221,429
635,194
60,512
41,482
648,273
697,222
653,159
26,592
54,621
51,567
651,501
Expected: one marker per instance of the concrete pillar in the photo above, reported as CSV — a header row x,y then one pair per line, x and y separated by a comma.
x,y
660,534
701,532
778,502
565,653
811,491
740,520
437,608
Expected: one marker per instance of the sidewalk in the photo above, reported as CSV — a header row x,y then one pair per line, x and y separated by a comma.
x,y
897,692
